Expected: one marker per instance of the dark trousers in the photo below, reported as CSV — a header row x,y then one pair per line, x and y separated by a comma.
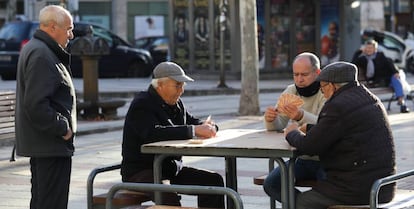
x,y
50,182
187,176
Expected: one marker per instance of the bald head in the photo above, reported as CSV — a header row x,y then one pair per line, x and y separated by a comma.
x,y
57,22
53,13
313,59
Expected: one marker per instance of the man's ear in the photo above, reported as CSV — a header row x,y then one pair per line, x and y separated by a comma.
x,y
318,71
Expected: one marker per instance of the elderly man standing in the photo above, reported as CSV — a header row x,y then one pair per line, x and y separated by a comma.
x,y
46,108
352,138
158,114
306,68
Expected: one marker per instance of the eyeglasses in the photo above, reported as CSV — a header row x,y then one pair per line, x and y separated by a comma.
x,y
322,86
178,86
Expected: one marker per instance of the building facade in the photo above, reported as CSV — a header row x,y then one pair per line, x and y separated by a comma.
x,y
196,28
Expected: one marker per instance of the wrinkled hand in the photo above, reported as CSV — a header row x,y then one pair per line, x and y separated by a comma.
x,y
68,135
291,127
205,131
270,114
397,75
303,128
292,111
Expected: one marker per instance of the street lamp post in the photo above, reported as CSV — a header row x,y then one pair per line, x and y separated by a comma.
x,y
222,82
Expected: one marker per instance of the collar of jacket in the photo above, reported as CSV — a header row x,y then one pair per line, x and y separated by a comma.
x,y
179,107
344,88
61,53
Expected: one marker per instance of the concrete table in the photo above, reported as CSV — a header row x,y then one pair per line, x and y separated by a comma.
x,y
230,144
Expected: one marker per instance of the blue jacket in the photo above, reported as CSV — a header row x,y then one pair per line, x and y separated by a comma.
x,y
45,99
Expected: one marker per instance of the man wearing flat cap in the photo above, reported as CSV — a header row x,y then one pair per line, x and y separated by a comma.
x,y
158,114
352,138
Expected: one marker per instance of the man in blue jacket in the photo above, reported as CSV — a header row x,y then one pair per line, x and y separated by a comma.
x,y
352,138
158,114
46,109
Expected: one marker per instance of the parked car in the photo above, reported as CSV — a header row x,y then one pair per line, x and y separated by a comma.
x,y
156,45
124,60
394,47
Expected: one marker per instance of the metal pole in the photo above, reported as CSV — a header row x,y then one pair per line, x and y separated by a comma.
x,y
222,82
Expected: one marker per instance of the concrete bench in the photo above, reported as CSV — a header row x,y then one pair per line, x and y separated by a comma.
x,y
182,189
106,108
121,199
7,111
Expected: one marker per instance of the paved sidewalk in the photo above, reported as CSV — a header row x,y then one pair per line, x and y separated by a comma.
x,y
99,143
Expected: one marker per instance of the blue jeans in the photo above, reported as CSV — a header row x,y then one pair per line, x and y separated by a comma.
x,y
304,170
397,86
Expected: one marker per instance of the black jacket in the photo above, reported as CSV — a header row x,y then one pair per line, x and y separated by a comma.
x,y
150,119
45,99
384,68
358,148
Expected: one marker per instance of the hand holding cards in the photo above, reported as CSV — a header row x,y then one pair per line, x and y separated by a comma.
x,y
288,99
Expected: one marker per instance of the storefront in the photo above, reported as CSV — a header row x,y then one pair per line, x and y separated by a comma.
x,y
284,29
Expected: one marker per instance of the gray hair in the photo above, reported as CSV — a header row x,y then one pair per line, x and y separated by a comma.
x,y
339,85
314,60
53,13
371,42
156,81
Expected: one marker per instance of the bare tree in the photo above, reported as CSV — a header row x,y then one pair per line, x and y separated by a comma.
x,y
249,97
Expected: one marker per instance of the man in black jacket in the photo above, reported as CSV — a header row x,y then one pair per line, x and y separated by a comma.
x,y
158,114
46,108
376,70
358,148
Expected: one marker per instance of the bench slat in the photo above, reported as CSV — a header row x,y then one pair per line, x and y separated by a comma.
x,y
162,207
122,198
259,180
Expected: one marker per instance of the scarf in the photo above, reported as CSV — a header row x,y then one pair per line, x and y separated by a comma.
x,y
370,66
309,90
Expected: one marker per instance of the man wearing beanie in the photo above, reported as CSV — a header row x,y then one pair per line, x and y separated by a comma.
x,y
158,114
352,138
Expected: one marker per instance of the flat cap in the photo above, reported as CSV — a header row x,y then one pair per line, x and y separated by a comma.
x,y
339,72
170,70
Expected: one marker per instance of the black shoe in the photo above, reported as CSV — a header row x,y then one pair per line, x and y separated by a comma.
x,y
404,109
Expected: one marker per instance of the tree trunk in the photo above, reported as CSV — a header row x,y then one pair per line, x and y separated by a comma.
x,y
249,95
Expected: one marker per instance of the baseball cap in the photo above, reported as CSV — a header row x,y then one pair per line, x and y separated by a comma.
x,y
170,70
338,72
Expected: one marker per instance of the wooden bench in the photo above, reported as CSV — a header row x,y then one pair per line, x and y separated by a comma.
x,y
183,189
402,199
259,180
7,110
121,199
385,90
162,207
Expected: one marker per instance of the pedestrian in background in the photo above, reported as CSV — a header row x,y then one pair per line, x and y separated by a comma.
x,y
352,138
158,114
46,109
306,68
376,70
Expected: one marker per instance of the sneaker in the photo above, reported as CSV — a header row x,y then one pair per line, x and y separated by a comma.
x,y
404,109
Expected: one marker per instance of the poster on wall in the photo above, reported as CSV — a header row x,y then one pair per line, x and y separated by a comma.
x,y
201,35
148,26
329,32
181,33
